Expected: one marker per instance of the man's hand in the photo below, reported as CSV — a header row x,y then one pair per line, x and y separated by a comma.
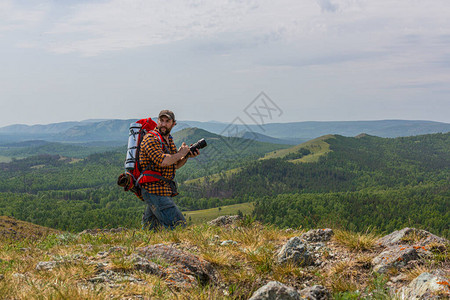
x,y
190,154
195,153
184,149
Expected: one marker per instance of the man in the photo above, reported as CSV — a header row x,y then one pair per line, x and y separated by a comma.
x,y
159,154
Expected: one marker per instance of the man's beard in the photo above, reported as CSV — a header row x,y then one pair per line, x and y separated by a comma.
x,y
166,131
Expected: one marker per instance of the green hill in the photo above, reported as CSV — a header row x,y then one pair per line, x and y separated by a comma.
x,y
78,150
400,176
61,192
316,148
73,194
221,154
344,164
191,135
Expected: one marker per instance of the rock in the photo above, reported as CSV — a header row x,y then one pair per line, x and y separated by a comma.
x,y
275,290
2,276
427,286
102,254
228,242
415,236
117,249
179,279
98,230
316,292
295,251
46,265
90,231
116,230
225,220
184,269
393,258
146,266
100,266
112,277
317,235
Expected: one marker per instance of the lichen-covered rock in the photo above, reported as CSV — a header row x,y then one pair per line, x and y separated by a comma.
x,y
146,266
103,230
427,286
184,268
46,265
317,235
117,249
225,220
410,236
295,251
275,290
316,292
393,258
228,242
109,276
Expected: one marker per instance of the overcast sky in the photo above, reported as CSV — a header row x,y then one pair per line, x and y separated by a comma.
x,y
317,60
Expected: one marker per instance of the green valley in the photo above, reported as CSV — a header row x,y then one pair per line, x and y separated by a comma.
x,y
347,182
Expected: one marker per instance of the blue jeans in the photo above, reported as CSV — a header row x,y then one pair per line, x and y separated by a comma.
x,y
160,211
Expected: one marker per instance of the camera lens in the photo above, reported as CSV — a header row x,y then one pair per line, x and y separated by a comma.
x,y
198,145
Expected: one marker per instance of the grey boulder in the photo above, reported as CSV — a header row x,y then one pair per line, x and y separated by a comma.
x,y
275,290
296,252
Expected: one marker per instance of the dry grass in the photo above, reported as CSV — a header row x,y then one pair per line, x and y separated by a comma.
x,y
342,277
416,271
242,267
413,237
356,241
12,229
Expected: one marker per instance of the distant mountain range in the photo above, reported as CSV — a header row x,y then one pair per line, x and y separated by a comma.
x,y
282,133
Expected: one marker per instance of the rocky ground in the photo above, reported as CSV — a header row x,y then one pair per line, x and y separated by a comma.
x,y
230,258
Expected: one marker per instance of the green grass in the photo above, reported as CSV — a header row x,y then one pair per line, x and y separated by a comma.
x,y
205,215
318,147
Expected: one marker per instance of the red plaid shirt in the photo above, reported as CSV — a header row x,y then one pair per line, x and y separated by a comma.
x,y
151,151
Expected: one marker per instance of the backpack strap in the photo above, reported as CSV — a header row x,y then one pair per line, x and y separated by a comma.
x,y
158,135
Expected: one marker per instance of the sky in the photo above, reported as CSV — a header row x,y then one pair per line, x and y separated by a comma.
x,y
309,60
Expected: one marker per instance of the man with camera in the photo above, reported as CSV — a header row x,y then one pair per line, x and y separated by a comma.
x,y
159,156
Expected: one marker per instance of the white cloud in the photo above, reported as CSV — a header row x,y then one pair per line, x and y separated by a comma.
x,y
16,17
326,5
119,24
357,50
94,27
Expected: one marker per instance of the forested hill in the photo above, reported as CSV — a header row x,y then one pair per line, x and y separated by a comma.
x,y
350,182
350,164
355,183
67,189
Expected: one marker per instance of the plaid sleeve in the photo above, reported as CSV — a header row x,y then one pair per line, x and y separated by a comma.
x,y
151,150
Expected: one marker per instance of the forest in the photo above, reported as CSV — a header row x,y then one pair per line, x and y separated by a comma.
x,y
364,181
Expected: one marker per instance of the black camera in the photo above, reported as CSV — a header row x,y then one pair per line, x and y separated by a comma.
x,y
198,145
